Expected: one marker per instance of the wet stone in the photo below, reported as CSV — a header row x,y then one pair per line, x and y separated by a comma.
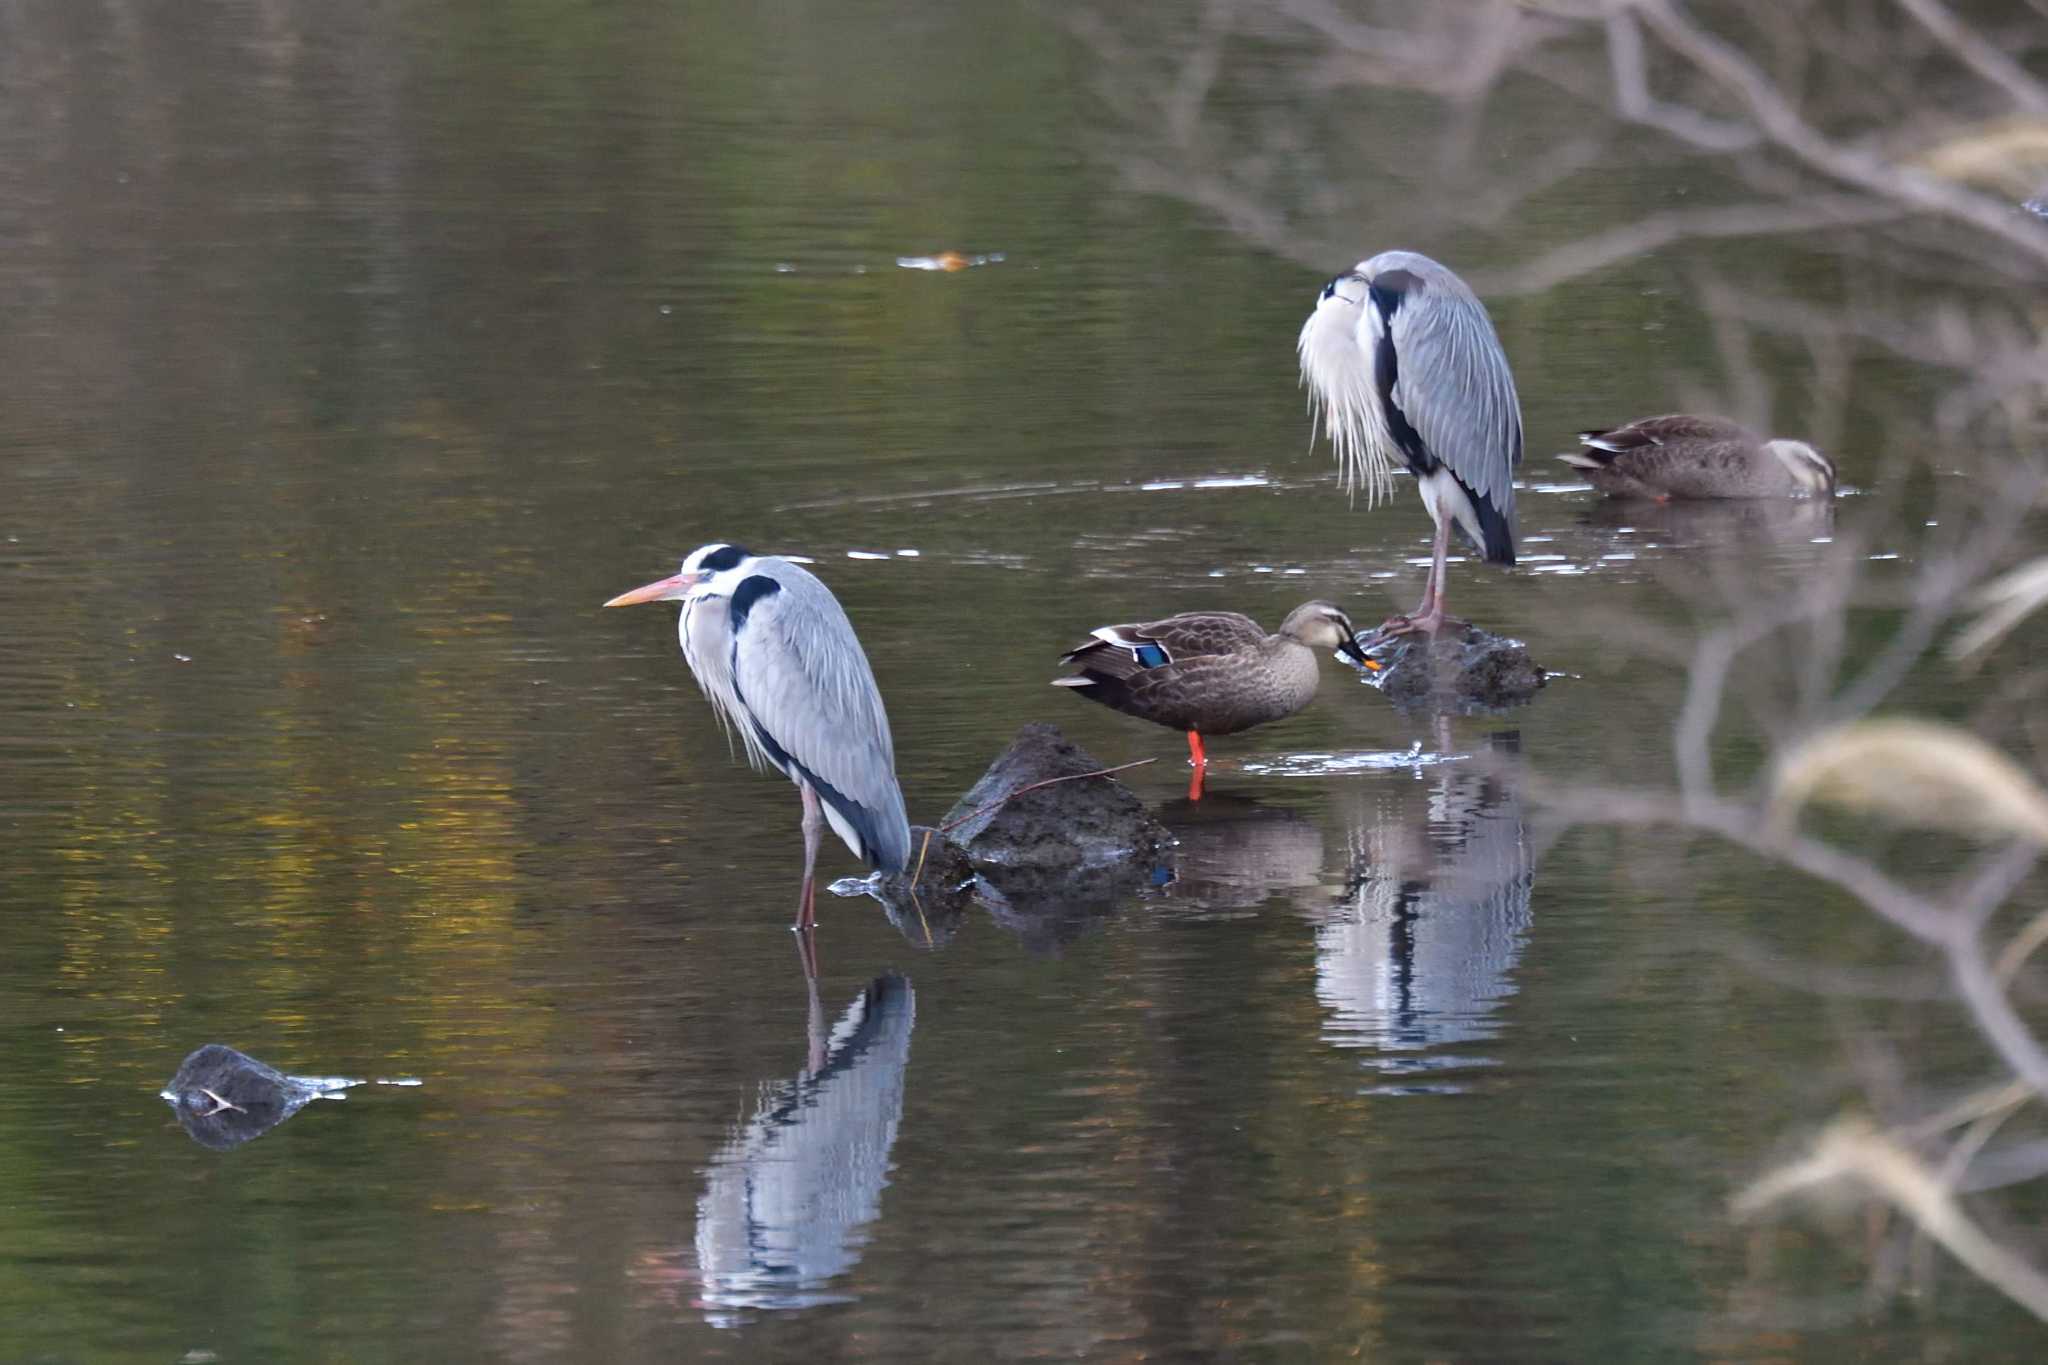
x,y
1461,670
1089,822
223,1097
940,866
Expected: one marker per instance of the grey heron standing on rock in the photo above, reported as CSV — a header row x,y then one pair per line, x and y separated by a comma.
x,y
779,662
1402,365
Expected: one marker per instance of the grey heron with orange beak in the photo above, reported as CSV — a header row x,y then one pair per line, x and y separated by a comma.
x,y
779,662
1402,365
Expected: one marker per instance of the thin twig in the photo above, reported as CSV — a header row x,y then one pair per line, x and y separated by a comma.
x,y
1979,55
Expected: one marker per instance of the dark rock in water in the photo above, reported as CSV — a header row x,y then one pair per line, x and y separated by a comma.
x,y
1462,670
941,867
1086,823
223,1098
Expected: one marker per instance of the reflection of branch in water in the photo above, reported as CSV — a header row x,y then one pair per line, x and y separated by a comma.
x,y
1854,1150
1928,776
1857,167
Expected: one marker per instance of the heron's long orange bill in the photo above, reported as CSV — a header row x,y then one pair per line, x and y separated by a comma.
x,y
661,590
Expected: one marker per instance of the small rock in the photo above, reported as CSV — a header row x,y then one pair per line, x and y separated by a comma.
x,y
1092,821
223,1097
1462,670
945,864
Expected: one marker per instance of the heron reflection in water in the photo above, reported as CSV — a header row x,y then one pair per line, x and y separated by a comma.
x,y
1421,950
788,1196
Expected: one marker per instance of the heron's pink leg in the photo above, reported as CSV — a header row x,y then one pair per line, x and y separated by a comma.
x,y
806,906
1428,616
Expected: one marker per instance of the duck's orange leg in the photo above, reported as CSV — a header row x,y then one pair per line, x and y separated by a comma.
x,y
1200,761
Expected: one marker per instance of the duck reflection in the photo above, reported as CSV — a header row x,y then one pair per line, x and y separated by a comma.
x,y
1421,948
223,1098
1235,853
1708,523
788,1195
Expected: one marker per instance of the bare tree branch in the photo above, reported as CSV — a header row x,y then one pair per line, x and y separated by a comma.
x,y
1782,124
1979,55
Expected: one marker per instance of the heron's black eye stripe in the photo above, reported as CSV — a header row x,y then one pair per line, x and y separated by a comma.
x,y
1330,289
723,558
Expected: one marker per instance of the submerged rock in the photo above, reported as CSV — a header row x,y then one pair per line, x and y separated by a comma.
x,y
223,1097
1462,669
1064,826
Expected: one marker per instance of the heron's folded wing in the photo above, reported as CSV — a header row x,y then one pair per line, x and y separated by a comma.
x,y
806,682
1455,389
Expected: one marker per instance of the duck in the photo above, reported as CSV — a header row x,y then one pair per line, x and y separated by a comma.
x,y
1210,672
1683,457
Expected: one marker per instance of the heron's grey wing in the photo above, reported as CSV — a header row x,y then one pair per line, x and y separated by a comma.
x,y
807,685
1454,387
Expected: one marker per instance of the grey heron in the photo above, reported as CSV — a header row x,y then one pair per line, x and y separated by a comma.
x,y
778,660
1209,672
1683,457
1402,366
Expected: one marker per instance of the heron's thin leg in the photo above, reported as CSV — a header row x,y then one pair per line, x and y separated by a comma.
x,y
1428,615
806,908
